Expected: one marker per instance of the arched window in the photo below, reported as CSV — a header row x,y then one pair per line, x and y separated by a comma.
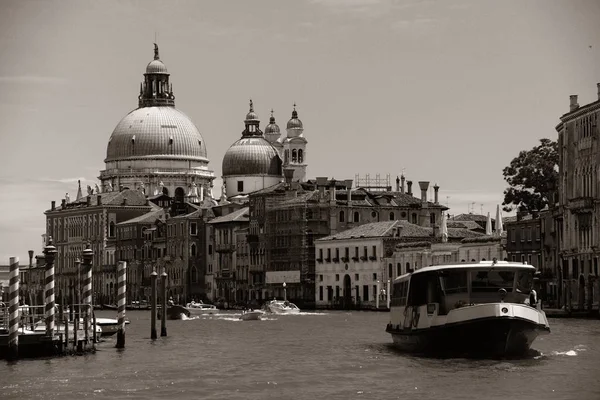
x,y
342,216
193,250
179,193
391,216
390,270
356,216
398,269
294,155
414,218
300,156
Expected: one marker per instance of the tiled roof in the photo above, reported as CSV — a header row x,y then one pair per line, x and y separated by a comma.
x,y
129,196
464,224
273,188
413,244
470,217
482,239
462,233
240,215
147,218
373,229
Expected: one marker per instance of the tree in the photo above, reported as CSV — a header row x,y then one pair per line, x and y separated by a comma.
x,y
532,177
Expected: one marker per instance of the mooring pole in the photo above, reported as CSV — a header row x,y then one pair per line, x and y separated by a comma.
x,y
121,298
13,309
389,294
88,256
163,314
153,307
49,255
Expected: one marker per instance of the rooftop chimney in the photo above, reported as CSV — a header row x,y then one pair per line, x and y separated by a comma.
x,y
397,184
332,190
289,175
436,189
409,187
88,201
30,258
574,106
424,185
402,179
99,200
348,183
321,183
62,203
598,87
53,205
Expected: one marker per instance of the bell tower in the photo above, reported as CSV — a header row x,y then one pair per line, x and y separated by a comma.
x,y
294,148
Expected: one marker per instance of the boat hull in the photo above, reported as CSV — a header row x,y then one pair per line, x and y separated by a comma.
x,y
251,316
484,337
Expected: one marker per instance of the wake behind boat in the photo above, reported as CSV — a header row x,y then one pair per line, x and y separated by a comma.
x,y
466,309
281,307
251,315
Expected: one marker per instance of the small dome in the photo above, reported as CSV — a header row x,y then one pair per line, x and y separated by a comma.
x,y
294,122
251,156
156,133
252,116
272,128
156,67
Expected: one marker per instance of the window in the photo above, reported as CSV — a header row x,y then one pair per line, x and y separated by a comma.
x,y
194,275
391,216
356,251
365,293
398,269
529,234
328,255
300,156
390,270
320,293
356,276
342,216
337,277
294,156
374,251
286,156
193,229
193,250
538,234
522,234
321,278
432,218
111,229
320,254
240,185
356,216
414,218
210,249
374,276
347,253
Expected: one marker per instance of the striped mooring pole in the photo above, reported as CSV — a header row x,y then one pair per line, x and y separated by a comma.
x,y
153,276
121,297
13,309
88,256
49,254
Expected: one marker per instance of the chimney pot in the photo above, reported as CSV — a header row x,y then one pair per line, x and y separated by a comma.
x,y
436,189
424,185
409,187
62,203
573,106
289,175
402,179
598,87
397,184
53,205
88,201
99,200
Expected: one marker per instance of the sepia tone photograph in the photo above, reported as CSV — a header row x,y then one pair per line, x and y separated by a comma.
x,y
307,199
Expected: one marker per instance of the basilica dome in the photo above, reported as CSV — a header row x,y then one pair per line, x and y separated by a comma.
x,y
251,156
156,67
156,133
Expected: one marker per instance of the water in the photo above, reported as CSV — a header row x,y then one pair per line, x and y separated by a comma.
x,y
333,355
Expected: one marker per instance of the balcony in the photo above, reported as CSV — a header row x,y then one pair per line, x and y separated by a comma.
x,y
581,204
225,248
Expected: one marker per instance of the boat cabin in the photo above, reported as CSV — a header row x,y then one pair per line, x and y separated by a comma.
x,y
447,287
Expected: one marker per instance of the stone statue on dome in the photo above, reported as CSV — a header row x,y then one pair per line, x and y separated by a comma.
x,y
67,198
142,187
109,187
97,188
90,191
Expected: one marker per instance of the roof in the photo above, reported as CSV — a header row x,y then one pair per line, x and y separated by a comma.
x,y
481,264
471,217
126,197
252,155
240,215
147,218
464,224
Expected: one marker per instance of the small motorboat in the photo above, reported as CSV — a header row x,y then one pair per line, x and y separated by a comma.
x,y
251,315
174,312
109,326
281,307
200,308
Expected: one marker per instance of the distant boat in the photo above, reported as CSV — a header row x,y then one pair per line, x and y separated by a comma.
x,y
251,315
281,307
466,309
200,308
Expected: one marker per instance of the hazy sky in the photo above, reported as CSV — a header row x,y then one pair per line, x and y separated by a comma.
x,y
449,91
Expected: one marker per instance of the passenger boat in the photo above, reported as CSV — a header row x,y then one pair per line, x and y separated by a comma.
x,y
478,309
281,307
200,308
109,326
251,315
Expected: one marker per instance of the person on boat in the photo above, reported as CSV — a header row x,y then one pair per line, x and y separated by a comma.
x,y
533,298
171,302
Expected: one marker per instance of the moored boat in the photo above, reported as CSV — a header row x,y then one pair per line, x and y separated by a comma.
x,y
281,307
200,308
479,309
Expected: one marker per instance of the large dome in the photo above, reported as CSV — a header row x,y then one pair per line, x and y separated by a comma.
x,y
156,133
251,156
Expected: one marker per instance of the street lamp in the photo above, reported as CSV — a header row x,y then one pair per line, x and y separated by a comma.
x,y
284,292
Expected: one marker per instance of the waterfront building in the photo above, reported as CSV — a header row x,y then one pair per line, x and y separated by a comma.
x,y
482,248
579,195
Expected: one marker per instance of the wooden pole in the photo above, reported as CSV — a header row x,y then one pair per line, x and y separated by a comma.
x,y
163,315
153,276
49,254
121,299
13,309
87,256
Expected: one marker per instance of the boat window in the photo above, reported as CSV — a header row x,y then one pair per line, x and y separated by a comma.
x,y
492,281
454,281
400,293
524,281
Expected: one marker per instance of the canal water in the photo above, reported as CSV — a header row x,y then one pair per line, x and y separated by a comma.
x,y
329,355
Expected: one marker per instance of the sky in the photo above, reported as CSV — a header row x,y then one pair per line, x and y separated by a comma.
x,y
446,91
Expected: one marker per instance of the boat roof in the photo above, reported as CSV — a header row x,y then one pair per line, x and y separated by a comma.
x,y
479,265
